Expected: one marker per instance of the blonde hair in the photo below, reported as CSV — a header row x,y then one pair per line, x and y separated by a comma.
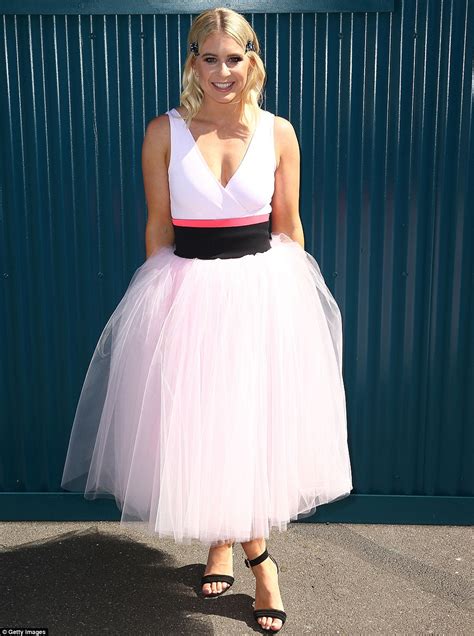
x,y
233,24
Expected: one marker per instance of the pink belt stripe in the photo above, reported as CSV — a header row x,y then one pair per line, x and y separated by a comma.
x,y
241,220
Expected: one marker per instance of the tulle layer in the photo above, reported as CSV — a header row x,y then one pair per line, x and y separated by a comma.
x,y
213,408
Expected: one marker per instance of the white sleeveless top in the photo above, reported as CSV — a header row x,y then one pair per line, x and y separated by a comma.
x,y
195,191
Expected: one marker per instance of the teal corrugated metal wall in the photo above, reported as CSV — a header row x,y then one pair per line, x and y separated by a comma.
x,y
383,105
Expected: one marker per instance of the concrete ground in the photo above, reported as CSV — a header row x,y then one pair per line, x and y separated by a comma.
x,y
97,578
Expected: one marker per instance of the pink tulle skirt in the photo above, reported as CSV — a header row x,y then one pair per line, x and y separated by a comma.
x,y
213,408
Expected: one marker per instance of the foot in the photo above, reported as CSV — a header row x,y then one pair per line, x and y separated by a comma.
x,y
219,561
267,593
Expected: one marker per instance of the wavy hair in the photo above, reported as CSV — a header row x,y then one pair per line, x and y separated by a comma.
x,y
233,24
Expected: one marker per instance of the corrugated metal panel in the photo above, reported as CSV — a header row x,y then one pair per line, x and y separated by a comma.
x,y
383,107
144,7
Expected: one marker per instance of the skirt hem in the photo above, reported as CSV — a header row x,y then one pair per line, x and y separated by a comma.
x,y
144,528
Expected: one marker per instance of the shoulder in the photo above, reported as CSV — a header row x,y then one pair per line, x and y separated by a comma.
x,y
286,141
158,127
284,130
157,140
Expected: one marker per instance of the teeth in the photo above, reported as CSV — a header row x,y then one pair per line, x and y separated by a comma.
x,y
222,85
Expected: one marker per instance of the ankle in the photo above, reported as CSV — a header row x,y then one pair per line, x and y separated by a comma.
x,y
254,548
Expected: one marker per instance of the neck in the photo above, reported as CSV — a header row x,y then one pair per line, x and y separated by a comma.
x,y
220,114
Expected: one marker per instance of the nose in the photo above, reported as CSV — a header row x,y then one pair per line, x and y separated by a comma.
x,y
224,69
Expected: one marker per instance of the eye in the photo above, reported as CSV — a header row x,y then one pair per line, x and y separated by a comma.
x,y
235,59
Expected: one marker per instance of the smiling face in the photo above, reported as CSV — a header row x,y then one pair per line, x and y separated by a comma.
x,y
222,66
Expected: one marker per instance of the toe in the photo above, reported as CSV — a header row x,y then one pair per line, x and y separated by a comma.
x,y
276,624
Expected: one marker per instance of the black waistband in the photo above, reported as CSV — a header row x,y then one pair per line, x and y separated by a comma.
x,y
222,242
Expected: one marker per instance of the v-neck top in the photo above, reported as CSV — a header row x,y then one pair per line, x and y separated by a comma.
x,y
195,191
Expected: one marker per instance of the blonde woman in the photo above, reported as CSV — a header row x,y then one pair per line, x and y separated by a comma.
x,y
213,409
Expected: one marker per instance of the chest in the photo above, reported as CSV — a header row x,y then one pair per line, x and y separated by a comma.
x,y
222,151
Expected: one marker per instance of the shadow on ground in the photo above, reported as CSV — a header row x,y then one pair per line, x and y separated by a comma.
x,y
89,582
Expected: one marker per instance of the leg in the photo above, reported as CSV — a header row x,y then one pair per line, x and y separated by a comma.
x,y
267,592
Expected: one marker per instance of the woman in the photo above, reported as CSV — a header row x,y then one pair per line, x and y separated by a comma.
x,y
213,408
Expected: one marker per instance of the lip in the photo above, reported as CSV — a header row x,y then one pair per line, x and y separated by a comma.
x,y
223,90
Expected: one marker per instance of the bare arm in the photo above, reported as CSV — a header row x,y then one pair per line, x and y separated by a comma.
x,y
285,201
155,150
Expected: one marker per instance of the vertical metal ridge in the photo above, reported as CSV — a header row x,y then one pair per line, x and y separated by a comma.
x,y
313,209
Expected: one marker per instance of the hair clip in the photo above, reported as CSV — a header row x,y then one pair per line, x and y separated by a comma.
x,y
195,49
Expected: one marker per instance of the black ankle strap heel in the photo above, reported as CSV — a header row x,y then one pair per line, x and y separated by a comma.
x,y
217,578
251,562
270,611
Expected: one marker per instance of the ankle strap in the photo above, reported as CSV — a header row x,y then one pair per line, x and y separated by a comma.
x,y
250,562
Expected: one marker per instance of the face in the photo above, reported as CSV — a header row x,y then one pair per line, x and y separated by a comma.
x,y
221,60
